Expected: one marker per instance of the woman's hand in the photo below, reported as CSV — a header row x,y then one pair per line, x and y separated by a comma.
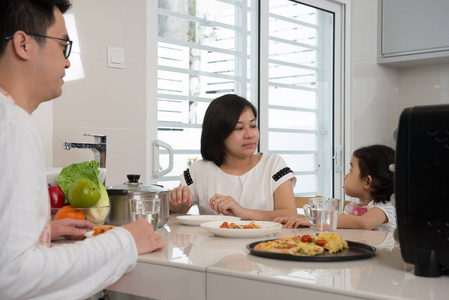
x,y
227,206
71,229
293,222
180,195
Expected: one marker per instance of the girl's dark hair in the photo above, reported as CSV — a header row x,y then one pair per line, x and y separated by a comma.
x,y
375,161
31,16
219,122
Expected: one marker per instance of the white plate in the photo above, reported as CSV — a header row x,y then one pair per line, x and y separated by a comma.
x,y
198,220
268,228
89,234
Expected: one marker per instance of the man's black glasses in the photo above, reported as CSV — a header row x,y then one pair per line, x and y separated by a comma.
x,y
67,48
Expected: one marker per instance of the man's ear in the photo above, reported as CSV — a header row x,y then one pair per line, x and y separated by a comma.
x,y
367,182
22,44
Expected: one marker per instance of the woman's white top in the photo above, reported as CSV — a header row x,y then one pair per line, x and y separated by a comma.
x,y
27,271
253,190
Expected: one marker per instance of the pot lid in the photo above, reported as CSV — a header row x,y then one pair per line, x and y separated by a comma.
x,y
133,184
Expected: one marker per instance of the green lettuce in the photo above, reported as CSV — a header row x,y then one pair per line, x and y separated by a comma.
x,y
74,172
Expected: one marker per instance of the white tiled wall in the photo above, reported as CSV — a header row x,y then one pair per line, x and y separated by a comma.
x,y
375,95
114,101
105,100
380,93
426,85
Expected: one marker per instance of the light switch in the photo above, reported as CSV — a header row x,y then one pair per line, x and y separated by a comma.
x,y
116,57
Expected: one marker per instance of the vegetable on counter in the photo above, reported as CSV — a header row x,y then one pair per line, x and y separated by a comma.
x,y
80,184
69,212
57,197
83,193
70,174
95,215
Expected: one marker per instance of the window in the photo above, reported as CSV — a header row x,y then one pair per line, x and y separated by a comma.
x,y
204,50
279,54
300,100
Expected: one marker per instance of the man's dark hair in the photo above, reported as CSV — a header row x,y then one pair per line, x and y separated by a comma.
x,y
32,16
219,122
375,160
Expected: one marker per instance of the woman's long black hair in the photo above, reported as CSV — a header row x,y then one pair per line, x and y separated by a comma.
x,y
219,122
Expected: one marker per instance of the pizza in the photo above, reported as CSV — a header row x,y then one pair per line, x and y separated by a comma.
x,y
305,245
101,229
251,225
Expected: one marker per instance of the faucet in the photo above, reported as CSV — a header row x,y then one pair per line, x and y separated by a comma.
x,y
99,147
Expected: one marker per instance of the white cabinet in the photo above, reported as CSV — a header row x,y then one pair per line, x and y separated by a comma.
x,y
413,32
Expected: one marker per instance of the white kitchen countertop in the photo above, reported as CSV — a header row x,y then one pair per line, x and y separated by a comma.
x,y
197,265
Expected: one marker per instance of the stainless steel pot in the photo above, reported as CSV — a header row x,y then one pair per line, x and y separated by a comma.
x,y
119,197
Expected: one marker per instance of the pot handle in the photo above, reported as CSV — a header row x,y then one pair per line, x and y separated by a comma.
x,y
157,169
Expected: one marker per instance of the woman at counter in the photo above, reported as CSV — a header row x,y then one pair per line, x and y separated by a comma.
x,y
231,179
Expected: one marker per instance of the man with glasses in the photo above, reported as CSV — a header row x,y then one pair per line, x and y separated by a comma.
x,y
67,48
34,52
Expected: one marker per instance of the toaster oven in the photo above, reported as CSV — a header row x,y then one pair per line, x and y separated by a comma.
x,y
422,188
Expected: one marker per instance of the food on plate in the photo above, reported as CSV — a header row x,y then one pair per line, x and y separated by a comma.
x,y
57,197
83,193
101,229
69,212
251,225
305,245
332,242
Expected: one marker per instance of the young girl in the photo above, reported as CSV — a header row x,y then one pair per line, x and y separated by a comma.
x,y
370,180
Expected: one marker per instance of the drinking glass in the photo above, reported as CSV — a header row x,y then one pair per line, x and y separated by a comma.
x,y
144,208
323,214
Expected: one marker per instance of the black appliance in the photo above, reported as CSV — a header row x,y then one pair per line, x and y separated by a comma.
x,y
422,188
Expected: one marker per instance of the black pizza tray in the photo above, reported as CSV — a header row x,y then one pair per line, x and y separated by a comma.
x,y
355,251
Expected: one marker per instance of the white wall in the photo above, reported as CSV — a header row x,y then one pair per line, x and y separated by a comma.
x,y
380,93
425,85
114,101
105,100
375,93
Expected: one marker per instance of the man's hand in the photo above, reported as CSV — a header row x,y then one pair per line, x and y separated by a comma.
x,y
146,240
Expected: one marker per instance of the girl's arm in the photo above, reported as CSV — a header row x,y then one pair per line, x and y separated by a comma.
x,y
369,220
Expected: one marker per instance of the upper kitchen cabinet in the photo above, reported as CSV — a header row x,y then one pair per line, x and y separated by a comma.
x,y
413,32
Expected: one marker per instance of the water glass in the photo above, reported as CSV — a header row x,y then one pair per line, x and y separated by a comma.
x,y
323,214
143,208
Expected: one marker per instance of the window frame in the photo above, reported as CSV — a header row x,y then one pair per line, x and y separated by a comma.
x,y
341,82
340,106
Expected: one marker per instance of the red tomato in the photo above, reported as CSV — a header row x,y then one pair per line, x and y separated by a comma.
x,y
57,197
321,242
69,212
224,225
305,238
